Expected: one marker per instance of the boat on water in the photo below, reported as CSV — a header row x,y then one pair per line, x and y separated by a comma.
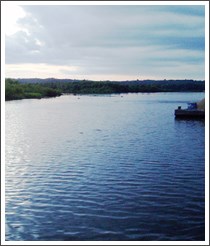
x,y
194,110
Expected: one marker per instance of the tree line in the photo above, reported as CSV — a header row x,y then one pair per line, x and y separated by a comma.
x,y
19,90
15,90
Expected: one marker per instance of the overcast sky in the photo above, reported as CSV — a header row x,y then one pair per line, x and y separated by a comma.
x,y
112,42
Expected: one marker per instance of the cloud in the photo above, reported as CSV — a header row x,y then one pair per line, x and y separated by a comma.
x,y
111,40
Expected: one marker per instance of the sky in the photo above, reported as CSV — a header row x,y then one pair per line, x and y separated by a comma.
x,y
105,42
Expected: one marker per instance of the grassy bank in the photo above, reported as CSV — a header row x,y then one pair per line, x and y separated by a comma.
x,y
14,90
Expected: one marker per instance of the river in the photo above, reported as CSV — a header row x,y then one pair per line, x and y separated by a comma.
x,y
106,168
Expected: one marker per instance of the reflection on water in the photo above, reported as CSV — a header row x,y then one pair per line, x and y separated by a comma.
x,y
191,121
116,167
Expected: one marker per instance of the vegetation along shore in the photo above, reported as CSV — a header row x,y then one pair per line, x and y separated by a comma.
x,y
41,88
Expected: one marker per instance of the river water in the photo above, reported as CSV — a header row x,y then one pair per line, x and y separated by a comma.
x,y
106,168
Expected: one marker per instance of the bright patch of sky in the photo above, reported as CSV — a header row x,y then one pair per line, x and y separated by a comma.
x,y
12,14
105,42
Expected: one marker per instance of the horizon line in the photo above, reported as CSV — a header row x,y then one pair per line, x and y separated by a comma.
x,y
105,80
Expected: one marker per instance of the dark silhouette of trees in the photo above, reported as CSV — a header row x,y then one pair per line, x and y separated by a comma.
x,y
28,88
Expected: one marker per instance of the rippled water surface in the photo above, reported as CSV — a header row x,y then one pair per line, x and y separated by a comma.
x,y
116,167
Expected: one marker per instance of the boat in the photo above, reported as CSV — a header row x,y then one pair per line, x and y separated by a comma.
x,y
193,111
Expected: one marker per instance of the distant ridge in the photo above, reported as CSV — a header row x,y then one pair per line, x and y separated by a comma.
x,y
146,81
107,86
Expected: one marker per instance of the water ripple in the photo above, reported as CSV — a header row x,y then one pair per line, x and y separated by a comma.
x,y
124,174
